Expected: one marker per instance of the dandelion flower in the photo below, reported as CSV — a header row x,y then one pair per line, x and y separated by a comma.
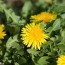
x,y
33,36
2,33
61,60
45,17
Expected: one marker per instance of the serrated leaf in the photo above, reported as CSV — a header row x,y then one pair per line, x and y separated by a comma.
x,y
12,42
10,14
16,18
32,51
43,60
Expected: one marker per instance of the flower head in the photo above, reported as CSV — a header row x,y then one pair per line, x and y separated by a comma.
x,y
2,33
61,60
33,36
45,17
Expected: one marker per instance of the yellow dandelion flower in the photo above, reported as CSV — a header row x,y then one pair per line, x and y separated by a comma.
x,y
33,36
45,17
61,60
2,33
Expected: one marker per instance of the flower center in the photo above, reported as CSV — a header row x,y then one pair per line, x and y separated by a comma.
x,y
36,33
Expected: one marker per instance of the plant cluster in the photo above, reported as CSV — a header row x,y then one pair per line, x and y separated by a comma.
x,y
32,33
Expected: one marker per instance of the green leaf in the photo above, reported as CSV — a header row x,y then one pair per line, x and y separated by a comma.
x,y
20,52
63,16
59,8
43,60
2,4
57,2
12,42
22,22
32,51
16,29
1,53
16,63
56,25
49,29
0,42
22,60
63,36
43,25
41,1
61,48
26,8
10,14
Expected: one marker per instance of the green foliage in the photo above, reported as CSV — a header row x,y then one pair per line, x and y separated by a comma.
x,y
59,8
12,42
26,8
43,60
16,16
55,26
32,52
